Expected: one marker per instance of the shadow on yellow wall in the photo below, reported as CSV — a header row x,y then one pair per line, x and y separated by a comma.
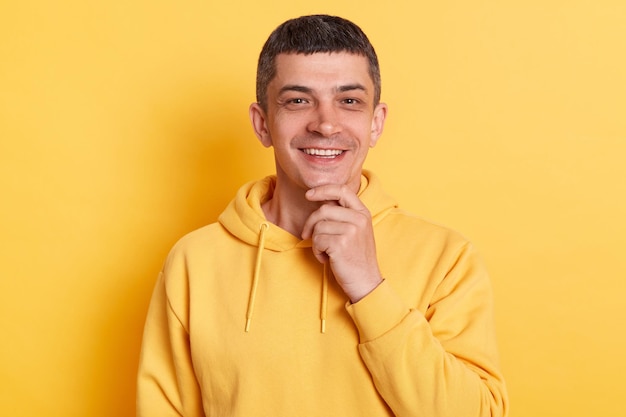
x,y
207,151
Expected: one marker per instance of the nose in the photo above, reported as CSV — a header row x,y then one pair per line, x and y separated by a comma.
x,y
325,120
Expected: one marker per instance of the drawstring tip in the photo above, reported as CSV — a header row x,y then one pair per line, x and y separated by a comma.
x,y
248,325
323,325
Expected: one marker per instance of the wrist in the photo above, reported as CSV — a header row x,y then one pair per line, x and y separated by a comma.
x,y
357,293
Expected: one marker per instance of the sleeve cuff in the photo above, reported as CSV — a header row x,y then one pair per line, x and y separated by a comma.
x,y
378,312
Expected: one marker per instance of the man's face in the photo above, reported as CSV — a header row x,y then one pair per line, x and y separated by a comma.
x,y
320,119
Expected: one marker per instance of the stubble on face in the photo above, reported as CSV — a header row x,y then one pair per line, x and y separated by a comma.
x,y
319,118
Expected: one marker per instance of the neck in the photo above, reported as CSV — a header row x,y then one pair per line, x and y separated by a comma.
x,y
289,209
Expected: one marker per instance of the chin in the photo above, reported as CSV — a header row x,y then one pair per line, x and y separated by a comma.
x,y
329,180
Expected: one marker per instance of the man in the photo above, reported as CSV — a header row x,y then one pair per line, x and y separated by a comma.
x,y
314,295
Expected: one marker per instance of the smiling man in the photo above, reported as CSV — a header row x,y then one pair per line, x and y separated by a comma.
x,y
314,294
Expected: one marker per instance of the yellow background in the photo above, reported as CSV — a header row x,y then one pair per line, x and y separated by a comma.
x,y
123,125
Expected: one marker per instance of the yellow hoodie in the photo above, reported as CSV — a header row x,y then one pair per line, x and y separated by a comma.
x,y
244,321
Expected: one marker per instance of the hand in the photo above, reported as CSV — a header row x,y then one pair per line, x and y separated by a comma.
x,y
341,233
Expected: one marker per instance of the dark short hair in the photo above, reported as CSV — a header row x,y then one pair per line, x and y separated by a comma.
x,y
309,35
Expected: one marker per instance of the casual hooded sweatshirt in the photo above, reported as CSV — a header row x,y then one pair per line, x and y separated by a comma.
x,y
244,321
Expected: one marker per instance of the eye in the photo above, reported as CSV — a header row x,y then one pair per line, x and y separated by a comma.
x,y
297,100
350,101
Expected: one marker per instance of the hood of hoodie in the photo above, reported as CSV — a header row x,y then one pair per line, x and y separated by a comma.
x,y
243,217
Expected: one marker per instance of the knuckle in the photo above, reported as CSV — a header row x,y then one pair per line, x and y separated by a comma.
x,y
344,241
324,210
363,221
352,229
316,240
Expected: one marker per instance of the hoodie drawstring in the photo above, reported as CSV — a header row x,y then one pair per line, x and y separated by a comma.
x,y
324,306
255,283
255,278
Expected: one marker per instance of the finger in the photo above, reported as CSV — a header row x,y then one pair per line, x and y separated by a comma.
x,y
325,245
326,214
334,192
319,251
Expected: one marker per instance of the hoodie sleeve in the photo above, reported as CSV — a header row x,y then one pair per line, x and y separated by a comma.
x,y
166,383
443,363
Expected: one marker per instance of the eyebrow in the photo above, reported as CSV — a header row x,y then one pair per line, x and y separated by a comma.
x,y
308,90
294,87
351,87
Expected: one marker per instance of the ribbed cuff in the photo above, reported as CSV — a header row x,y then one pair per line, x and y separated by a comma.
x,y
378,312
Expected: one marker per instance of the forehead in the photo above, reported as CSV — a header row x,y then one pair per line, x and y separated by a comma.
x,y
319,69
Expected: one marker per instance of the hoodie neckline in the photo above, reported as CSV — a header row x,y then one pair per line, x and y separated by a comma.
x,y
244,215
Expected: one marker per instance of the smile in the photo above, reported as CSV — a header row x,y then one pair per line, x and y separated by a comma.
x,y
325,153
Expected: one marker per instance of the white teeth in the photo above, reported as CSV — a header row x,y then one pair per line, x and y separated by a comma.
x,y
323,152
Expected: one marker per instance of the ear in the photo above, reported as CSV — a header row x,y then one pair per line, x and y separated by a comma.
x,y
378,123
259,124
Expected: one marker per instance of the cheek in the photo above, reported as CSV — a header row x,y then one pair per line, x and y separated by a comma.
x,y
285,128
363,131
